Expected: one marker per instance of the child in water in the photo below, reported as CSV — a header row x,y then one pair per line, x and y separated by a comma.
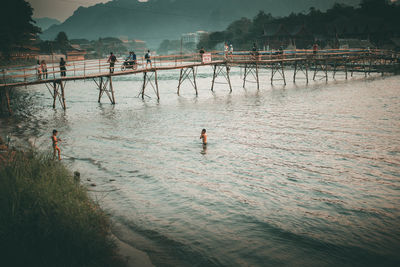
x,y
204,136
55,145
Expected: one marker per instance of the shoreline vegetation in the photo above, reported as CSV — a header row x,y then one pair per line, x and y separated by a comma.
x,y
47,218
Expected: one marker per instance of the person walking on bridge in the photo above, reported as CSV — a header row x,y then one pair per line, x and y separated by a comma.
x,y
112,59
147,56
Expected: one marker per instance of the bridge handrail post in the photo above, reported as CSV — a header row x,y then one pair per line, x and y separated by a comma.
x,y
84,67
99,66
4,76
74,68
52,59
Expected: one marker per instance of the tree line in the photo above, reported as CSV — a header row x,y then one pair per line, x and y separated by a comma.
x,y
374,20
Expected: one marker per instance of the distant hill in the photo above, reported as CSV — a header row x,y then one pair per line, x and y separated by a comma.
x,y
156,20
45,23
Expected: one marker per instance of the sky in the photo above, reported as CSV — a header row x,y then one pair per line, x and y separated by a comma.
x,y
60,9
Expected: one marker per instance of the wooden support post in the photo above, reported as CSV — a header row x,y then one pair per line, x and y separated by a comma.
x,y
144,83
52,59
100,88
156,81
307,71
179,82
213,79
112,90
258,82
352,68
334,69
295,70
194,80
63,95
245,75
227,77
345,68
272,73
25,77
315,69
8,100
283,73
55,93
326,70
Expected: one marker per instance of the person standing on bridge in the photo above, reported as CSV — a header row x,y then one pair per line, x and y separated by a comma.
x,y
62,67
147,56
43,66
112,59
134,60
226,51
201,52
231,51
315,49
38,70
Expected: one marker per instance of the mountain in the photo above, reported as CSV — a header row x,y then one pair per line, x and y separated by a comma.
x,y
45,23
156,20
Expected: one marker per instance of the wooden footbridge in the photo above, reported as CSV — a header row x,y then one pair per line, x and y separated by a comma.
x,y
304,64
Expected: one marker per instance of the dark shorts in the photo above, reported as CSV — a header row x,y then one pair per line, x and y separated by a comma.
x,y
148,60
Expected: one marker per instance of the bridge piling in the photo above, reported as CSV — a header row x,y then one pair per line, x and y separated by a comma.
x,y
63,95
147,80
251,69
112,90
7,93
277,67
55,92
185,74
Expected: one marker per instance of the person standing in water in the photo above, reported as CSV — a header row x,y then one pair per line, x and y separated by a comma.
x,y
204,136
56,149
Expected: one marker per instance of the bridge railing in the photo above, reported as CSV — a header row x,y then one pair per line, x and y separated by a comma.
x,y
92,67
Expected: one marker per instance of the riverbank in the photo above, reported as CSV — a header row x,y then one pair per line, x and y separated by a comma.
x,y
48,219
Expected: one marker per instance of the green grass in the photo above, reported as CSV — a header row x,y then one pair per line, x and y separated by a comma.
x,y
46,219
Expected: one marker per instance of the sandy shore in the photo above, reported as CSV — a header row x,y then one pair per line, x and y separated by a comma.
x,y
126,240
133,256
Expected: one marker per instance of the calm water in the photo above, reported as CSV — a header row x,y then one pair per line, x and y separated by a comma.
x,y
295,175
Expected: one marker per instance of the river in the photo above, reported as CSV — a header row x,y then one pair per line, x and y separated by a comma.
x,y
292,175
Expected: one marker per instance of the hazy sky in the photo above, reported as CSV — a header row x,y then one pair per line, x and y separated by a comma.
x,y
60,9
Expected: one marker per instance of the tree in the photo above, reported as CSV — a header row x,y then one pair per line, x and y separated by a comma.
x,y
16,25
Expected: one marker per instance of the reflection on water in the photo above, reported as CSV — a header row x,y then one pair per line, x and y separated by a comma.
x,y
295,175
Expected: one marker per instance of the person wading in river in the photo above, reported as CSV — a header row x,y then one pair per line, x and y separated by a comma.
x,y
204,136
56,149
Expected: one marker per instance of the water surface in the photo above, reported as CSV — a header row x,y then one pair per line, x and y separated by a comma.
x,y
292,175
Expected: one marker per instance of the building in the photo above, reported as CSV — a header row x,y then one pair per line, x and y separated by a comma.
x,y
301,38
276,36
76,55
192,37
354,43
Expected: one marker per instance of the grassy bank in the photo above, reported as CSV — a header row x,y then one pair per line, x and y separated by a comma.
x,y
46,219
